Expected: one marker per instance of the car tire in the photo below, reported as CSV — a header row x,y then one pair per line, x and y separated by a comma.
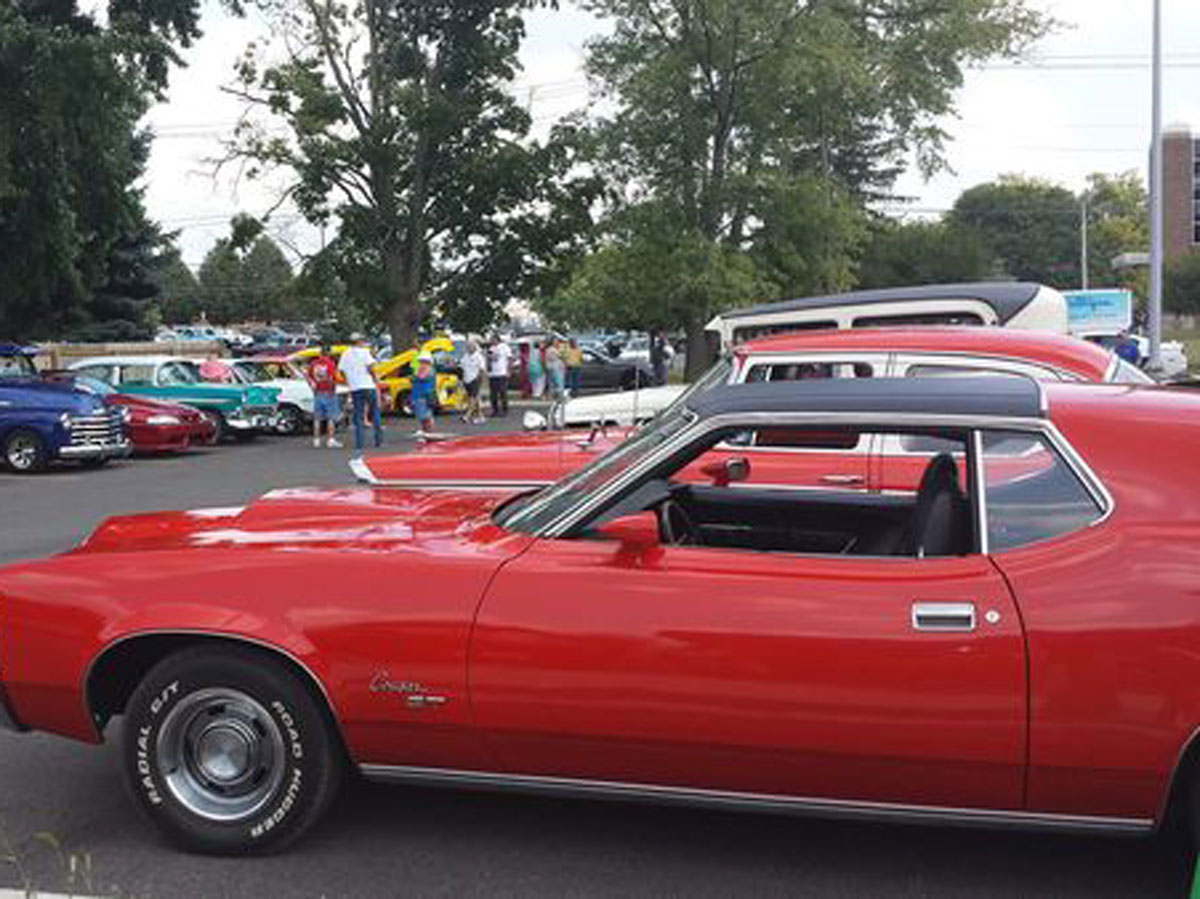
x,y
218,421
25,451
290,421
227,752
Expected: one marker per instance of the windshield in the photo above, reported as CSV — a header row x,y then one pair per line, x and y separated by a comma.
x,y
1121,372
540,509
93,385
19,366
252,371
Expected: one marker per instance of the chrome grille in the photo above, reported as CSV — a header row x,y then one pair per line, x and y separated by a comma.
x,y
259,410
102,427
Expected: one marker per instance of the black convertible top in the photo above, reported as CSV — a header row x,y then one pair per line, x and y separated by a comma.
x,y
1007,397
1007,298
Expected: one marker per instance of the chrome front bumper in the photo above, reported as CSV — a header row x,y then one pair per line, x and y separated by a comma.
x,y
111,449
252,422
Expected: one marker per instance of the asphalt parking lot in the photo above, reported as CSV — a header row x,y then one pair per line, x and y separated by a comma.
x,y
66,824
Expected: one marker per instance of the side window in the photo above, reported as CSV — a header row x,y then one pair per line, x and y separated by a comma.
x,y
805,371
1032,494
99,372
751,332
136,374
919,319
956,371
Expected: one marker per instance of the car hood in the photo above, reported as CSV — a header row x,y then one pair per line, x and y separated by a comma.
x,y
355,518
621,407
148,405
513,460
32,393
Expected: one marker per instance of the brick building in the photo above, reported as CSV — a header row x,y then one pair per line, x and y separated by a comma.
x,y
1181,192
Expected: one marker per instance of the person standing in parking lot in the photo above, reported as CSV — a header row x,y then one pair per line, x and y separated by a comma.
x,y
355,367
322,377
473,363
499,361
573,357
658,357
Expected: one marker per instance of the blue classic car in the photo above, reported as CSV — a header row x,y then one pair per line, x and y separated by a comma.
x,y
43,421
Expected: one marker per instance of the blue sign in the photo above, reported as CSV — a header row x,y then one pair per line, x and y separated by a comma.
x,y
1099,311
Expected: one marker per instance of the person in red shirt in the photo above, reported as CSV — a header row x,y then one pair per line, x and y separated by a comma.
x,y
322,376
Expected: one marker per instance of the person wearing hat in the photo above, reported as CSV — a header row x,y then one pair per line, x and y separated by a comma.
x,y
424,389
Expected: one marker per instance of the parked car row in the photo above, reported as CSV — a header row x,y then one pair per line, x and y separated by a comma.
x,y
108,407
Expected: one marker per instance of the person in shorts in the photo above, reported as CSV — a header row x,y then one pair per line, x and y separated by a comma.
x,y
473,365
424,386
322,376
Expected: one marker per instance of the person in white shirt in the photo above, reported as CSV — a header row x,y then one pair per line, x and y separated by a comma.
x,y
499,363
355,366
473,363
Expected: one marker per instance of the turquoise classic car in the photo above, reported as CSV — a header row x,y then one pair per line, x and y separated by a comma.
x,y
240,410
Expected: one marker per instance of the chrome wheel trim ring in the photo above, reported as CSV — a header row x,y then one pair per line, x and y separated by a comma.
x,y
220,754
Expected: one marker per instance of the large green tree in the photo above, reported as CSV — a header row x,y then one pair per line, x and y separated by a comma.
x,y
73,235
1118,214
726,108
909,253
398,125
246,279
1031,225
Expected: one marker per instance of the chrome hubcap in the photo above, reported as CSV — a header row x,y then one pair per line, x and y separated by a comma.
x,y
221,754
22,451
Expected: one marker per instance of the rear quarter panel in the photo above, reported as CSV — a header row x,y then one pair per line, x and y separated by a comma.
x,y
1113,615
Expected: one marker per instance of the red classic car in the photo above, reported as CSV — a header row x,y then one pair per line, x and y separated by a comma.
x,y
1011,642
153,426
542,456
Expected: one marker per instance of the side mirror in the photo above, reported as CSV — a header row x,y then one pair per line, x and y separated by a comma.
x,y
726,471
534,421
634,532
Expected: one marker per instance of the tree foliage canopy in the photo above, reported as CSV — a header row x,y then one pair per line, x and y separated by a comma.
x,y
399,126
749,119
75,245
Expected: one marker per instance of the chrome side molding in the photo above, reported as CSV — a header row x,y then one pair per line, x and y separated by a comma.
x,y
755,802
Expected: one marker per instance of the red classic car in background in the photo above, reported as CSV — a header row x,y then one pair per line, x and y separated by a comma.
x,y
1008,638
539,457
153,426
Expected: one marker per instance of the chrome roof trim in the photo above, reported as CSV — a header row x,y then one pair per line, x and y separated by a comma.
x,y
756,802
474,485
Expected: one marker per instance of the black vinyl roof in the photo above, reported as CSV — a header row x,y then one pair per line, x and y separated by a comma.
x,y
1007,298
990,397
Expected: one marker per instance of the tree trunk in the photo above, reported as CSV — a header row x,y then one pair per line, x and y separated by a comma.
x,y
404,313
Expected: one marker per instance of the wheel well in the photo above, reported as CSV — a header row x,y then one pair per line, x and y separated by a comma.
x,y
116,673
1176,807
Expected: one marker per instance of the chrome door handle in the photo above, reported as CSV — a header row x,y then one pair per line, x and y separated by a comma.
x,y
844,479
943,616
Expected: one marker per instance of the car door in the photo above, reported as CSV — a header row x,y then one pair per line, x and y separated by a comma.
x,y
894,680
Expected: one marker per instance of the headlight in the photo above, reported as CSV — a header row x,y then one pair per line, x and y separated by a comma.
x,y
65,420
162,420
125,412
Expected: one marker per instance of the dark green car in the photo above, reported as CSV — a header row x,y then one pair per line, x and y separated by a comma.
x,y
240,410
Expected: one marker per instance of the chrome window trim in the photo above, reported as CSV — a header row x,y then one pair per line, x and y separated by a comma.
x,y
734,800
580,512
979,489
984,363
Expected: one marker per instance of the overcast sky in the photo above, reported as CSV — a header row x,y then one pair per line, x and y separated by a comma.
x,y
1080,104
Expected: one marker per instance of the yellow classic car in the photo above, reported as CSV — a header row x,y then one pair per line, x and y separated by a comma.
x,y
395,376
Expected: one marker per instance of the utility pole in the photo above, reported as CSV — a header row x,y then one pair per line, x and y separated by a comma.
x,y
1154,365
1083,241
